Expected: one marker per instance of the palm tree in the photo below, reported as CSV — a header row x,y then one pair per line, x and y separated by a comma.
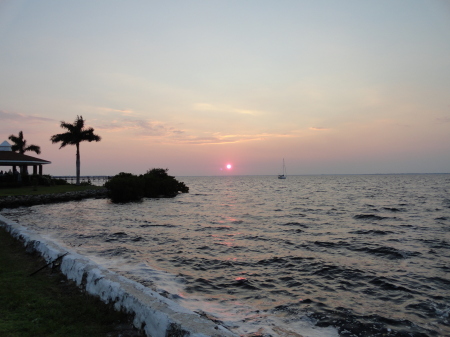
x,y
20,145
75,135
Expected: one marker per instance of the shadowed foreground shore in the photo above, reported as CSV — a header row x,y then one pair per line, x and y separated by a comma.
x,y
47,304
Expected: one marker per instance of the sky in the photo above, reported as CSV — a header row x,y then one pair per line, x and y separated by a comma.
x,y
331,87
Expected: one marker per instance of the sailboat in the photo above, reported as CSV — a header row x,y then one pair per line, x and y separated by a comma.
x,y
283,176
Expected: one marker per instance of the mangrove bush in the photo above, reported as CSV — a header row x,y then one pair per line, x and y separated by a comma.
x,y
155,183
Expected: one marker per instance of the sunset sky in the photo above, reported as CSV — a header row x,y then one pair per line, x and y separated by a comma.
x,y
333,87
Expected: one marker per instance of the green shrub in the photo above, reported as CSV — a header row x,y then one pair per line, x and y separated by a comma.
x,y
153,184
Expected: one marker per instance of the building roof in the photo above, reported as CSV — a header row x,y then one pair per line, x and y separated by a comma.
x,y
5,146
9,158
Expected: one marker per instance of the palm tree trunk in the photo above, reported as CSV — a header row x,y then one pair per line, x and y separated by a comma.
x,y
78,163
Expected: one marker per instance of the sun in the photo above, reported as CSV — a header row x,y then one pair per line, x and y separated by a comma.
x,y
229,166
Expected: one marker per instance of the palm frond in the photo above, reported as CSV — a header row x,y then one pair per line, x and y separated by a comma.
x,y
76,133
88,135
79,122
33,148
15,148
20,144
63,138
16,140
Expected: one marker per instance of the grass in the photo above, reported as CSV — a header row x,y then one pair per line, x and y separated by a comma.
x,y
47,304
37,190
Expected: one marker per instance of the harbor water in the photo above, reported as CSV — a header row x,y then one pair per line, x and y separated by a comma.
x,y
333,255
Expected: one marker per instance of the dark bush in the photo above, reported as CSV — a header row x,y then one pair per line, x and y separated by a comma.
x,y
124,187
10,184
44,180
86,183
57,181
8,180
153,184
157,183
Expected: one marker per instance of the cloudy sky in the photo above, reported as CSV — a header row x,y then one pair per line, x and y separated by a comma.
x,y
344,86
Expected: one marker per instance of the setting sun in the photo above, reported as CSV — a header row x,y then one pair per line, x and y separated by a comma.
x,y
229,166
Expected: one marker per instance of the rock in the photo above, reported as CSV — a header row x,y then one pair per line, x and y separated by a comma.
x,y
30,200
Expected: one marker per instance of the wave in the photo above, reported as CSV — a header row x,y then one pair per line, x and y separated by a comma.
x,y
388,252
374,217
393,209
369,217
371,232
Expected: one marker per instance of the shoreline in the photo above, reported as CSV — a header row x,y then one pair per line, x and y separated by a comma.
x,y
156,315
43,302
41,199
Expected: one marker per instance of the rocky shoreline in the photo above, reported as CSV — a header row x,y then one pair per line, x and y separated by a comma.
x,y
31,200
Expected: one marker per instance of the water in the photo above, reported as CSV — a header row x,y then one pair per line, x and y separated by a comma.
x,y
357,255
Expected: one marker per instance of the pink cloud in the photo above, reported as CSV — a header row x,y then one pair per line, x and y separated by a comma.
x,y
125,112
318,128
141,127
22,117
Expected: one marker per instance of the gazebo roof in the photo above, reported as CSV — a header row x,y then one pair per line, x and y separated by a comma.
x,y
5,146
9,158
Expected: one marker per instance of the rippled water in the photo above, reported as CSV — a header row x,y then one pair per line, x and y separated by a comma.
x,y
363,255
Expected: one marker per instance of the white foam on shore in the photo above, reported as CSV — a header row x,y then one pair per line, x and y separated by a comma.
x,y
155,314
242,318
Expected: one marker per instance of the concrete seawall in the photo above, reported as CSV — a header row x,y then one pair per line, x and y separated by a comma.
x,y
153,313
